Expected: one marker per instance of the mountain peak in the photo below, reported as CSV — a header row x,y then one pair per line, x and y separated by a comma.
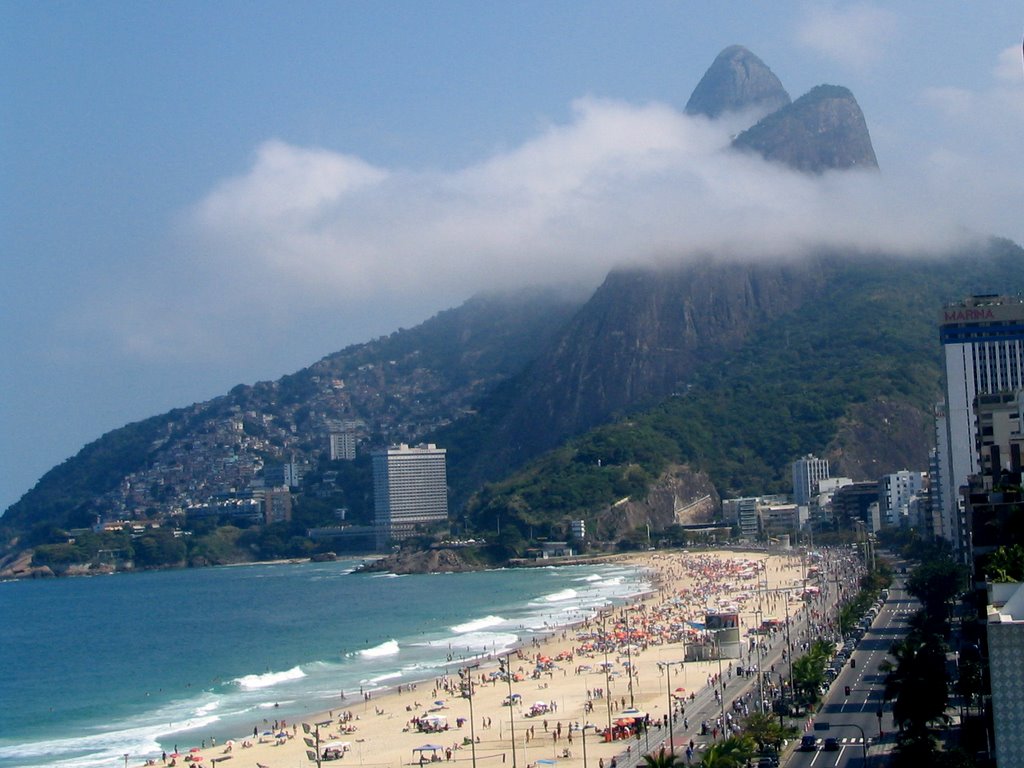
x,y
737,80
823,129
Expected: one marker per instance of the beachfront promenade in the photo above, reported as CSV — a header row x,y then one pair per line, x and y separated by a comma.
x,y
749,689
578,676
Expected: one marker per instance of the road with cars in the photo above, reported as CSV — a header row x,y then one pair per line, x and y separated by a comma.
x,y
853,709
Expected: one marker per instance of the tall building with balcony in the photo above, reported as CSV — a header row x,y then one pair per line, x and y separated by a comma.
x,y
896,492
410,490
807,472
983,347
343,446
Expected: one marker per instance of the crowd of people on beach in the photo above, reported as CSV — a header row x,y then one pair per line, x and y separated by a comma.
x,y
769,603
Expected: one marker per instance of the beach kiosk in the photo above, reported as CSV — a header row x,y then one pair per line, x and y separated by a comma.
x,y
725,626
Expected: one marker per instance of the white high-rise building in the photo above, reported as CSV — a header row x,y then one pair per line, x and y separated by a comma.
x,y
343,446
807,471
983,346
895,492
410,489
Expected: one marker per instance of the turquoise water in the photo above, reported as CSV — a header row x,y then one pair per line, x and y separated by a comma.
x,y
96,668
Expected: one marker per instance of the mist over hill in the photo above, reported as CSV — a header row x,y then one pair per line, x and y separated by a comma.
x,y
699,377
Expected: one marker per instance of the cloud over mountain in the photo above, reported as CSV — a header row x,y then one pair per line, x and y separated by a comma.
x,y
856,35
313,235
616,184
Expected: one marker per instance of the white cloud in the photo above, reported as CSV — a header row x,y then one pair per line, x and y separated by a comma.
x,y
998,108
616,184
1010,67
306,234
979,149
855,35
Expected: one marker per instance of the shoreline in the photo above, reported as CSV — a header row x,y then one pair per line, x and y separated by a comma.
x,y
386,735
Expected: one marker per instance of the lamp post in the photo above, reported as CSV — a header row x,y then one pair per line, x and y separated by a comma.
x,y
125,760
757,641
839,611
667,666
789,647
671,709
629,658
721,680
583,733
607,672
315,741
467,692
511,725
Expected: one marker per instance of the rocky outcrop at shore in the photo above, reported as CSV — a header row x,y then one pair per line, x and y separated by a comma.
x,y
19,566
426,561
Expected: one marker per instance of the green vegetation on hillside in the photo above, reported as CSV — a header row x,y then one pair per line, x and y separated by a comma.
x,y
744,421
869,335
63,496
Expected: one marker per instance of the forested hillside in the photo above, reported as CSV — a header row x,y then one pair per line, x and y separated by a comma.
x,y
868,344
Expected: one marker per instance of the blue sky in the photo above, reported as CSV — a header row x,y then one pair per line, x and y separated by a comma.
x,y
197,194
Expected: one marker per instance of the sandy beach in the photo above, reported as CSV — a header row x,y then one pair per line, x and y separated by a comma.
x,y
563,679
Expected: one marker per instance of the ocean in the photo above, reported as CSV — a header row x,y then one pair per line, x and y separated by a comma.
x,y
131,664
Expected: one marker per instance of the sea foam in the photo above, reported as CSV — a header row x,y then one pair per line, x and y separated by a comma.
x,y
564,594
390,648
268,679
477,624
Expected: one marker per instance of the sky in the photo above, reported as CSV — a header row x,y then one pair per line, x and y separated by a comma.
x,y
195,195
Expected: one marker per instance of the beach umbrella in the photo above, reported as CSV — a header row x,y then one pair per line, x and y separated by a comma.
x,y
429,748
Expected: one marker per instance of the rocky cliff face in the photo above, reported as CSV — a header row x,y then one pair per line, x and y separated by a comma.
x,y
823,129
879,437
737,80
639,339
679,497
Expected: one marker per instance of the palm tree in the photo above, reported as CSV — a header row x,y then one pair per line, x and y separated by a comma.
x,y
733,752
916,682
662,760
766,731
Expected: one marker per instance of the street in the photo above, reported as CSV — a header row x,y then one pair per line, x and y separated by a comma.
x,y
853,721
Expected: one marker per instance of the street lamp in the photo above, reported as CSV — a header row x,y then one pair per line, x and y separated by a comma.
x,y
789,647
583,732
667,666
839,611
511,725
607,671
467,692
629,658
721,680
757,641
315,741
